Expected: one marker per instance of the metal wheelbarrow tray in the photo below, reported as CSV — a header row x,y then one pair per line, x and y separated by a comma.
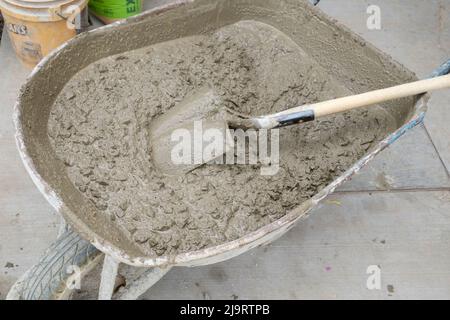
x,y
333,46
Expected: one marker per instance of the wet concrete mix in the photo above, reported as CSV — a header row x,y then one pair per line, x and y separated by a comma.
x,y
99,127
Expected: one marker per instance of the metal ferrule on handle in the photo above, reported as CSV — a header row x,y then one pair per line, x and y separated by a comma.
x,y
438,80
273,122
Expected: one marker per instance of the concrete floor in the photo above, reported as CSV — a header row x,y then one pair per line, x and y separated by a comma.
x,y
395,214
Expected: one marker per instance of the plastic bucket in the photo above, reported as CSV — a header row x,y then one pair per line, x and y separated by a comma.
x,y
36,27
109,11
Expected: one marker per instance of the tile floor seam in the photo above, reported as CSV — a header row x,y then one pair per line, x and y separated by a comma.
x,y
405,190
447,170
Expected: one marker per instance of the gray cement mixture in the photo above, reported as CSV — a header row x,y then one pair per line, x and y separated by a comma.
x,y
99,127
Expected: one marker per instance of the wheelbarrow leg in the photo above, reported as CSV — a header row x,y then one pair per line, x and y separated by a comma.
x,y
144,282
108,278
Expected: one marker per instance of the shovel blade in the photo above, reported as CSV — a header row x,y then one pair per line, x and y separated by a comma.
x,y
200,104
182,149
177,137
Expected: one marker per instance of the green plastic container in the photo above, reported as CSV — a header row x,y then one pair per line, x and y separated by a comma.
x,y
112,10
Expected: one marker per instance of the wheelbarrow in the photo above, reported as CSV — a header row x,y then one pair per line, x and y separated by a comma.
x,y
85,244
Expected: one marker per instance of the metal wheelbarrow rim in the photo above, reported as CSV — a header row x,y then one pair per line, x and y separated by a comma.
x,y
209,255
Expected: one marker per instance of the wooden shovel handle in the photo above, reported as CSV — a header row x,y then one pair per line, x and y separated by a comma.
x,y
373,97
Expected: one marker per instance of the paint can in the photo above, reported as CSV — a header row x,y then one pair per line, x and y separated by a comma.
x,y
36,27
109,11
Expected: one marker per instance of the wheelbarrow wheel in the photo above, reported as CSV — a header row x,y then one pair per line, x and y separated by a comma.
x,y
56,274
64,265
